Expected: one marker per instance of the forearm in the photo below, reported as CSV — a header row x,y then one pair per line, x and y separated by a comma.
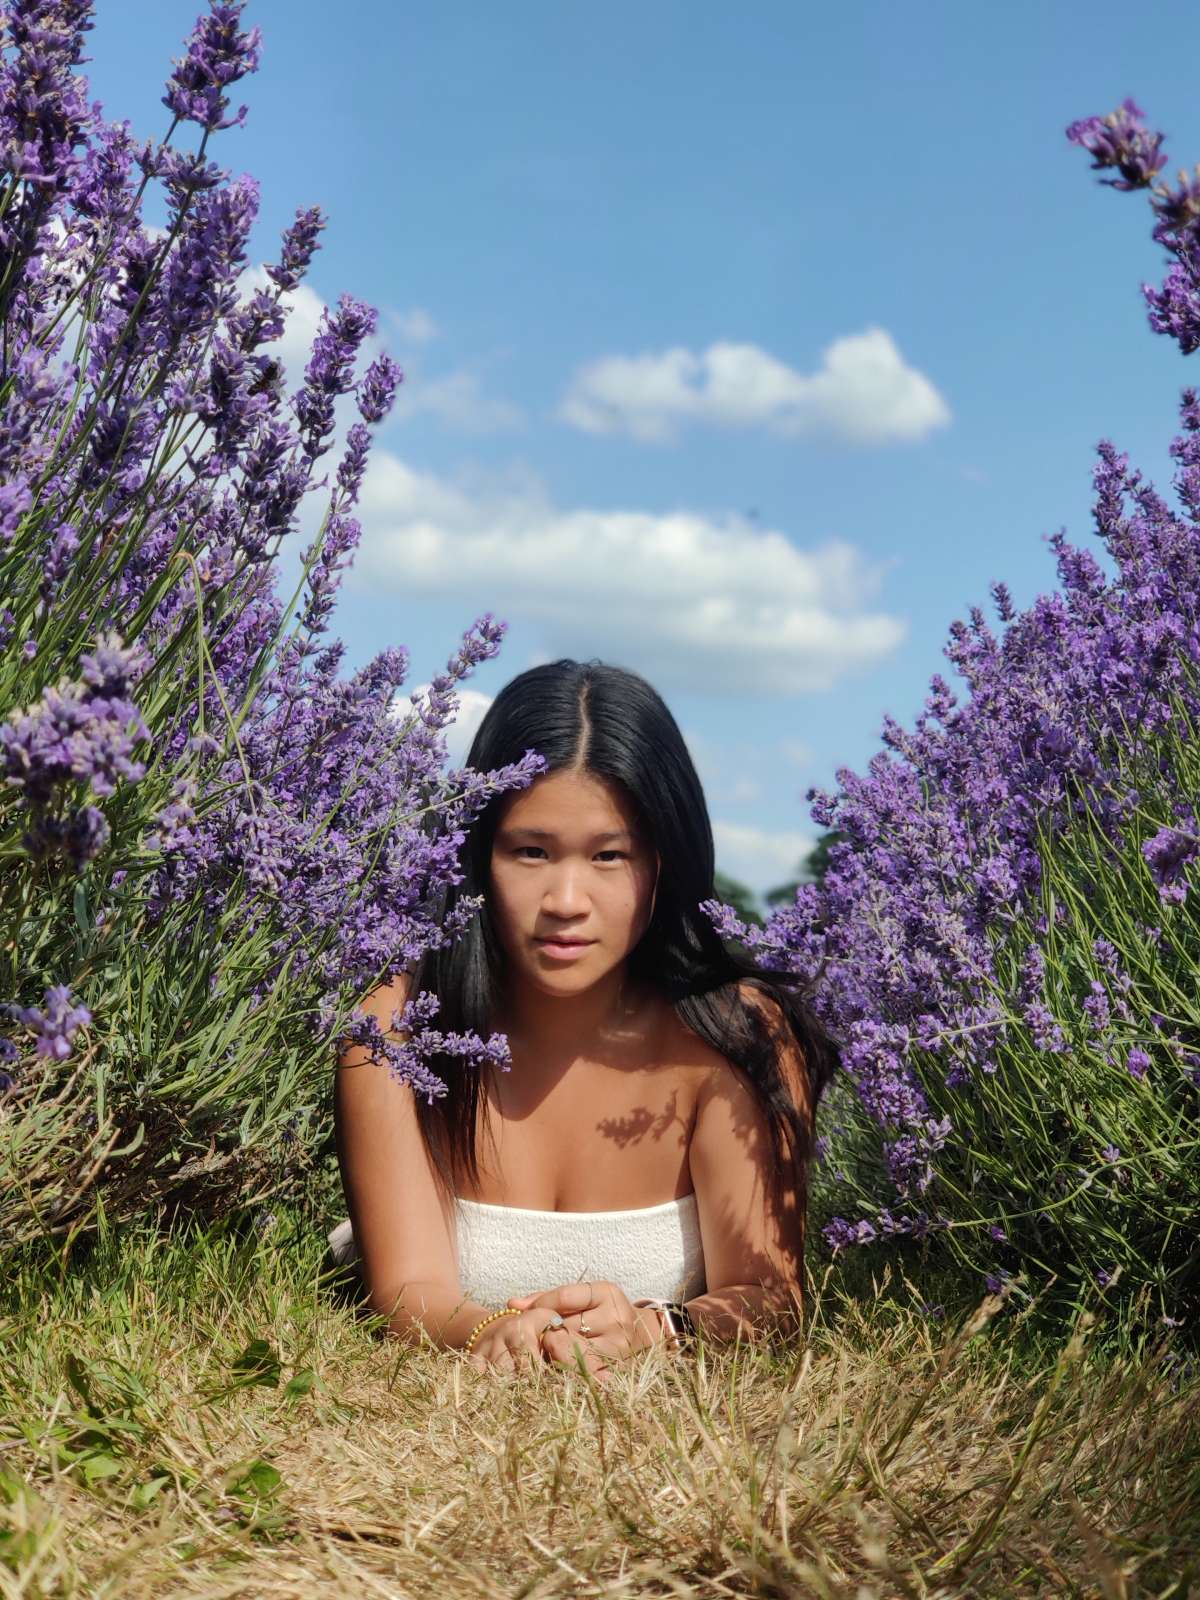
x,y
439,1313
747,1310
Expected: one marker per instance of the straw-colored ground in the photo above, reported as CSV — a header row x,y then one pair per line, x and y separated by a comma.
x,y
139,1456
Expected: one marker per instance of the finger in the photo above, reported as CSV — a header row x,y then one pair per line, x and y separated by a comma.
x,y
569,1299
567,1350
529,1353
521,1302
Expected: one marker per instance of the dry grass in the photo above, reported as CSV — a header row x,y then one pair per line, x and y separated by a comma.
x,y
138,1458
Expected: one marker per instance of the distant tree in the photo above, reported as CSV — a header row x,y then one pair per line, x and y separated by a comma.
x,y
816,863
743,900
811,870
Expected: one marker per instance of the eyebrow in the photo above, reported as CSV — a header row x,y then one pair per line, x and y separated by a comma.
x,y
542,833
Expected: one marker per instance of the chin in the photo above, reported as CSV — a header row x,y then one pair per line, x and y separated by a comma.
x,y
572,979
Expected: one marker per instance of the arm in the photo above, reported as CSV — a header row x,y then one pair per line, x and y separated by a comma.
x,y
753,1237
403,1231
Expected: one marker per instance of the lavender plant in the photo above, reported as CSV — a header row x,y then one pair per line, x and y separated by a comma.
x,y
1007,939
211,843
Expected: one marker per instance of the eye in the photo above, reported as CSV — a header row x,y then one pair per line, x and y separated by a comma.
x,y
522,848
620,854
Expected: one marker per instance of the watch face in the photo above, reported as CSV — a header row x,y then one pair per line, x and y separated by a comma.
x,y
679,1320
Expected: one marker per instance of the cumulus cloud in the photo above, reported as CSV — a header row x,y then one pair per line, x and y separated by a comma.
x,y
302,307
862,393
795,752
456,399
416,326
472,708
696,603
758,857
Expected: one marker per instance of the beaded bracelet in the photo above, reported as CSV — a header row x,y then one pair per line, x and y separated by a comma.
x,y
509,1311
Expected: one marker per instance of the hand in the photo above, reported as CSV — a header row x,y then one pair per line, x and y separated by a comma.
x,y
512,1344
616,1329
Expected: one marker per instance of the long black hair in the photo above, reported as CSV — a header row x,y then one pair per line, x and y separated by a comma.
x,y
610,722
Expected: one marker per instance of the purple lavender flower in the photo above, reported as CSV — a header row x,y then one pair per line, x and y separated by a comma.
x,y
971,886
353,463
299,246
218,54
55,1024
16,498
1047,1035
147,487
44,114
1096,1008
378,388
331,368
839,1234
1167,855
67,736
1121,140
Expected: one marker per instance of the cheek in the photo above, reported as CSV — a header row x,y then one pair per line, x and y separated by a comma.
x,y
515,900
638,893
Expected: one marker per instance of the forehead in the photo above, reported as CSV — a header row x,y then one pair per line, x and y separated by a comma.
x,y
569,804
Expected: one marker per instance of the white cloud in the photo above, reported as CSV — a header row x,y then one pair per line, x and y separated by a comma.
x,y
456,399
472,708
863,393
795,752
757,857
302,307
694,602
415,325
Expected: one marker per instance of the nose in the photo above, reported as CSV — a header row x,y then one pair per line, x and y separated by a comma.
x,y
565,894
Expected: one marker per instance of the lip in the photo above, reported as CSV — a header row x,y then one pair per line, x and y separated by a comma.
x,y
564,949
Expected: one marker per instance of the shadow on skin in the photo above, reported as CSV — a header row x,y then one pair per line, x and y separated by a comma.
x,y
642,1123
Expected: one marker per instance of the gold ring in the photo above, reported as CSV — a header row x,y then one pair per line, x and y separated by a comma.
x,y
555,1322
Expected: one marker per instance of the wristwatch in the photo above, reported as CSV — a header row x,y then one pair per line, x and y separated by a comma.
x,y
679,1320
679,1326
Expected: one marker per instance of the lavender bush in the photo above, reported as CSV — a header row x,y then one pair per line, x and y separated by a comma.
x,y
210,842
1007,939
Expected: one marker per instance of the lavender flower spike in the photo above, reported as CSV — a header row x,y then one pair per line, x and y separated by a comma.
x,y
218,54
1121,140
55,1025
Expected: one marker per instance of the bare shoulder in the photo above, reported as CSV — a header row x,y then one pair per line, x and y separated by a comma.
x,y
747,1220
382,1003
684,1049
719,1077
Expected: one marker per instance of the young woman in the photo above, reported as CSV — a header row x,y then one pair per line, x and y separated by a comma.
x,y
638,1173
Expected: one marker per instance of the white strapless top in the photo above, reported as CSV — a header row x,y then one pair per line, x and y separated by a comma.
x,y
505,1250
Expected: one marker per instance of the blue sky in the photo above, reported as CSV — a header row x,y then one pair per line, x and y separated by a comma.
x,y
744,346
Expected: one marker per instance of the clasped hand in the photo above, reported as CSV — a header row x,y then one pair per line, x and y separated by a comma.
x,y
616,1329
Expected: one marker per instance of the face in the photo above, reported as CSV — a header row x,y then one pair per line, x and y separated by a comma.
x,y
572,880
